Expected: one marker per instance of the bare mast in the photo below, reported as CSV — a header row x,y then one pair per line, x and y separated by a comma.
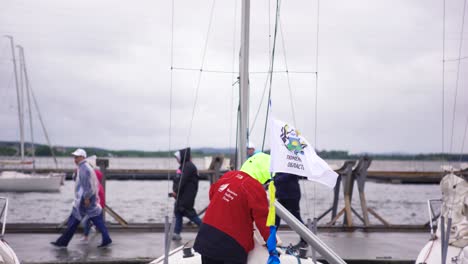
x,y
18,97
24,73
244,84
297,226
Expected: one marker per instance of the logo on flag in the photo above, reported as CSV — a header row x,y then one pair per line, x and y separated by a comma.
x,y
292,141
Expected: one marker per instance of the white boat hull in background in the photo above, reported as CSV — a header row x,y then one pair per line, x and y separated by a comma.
x,y
7,255
12,181
432,254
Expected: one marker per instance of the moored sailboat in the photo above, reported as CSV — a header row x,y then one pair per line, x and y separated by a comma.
x,y
17,180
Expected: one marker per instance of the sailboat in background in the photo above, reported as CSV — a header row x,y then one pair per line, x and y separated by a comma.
x,y
18,181
449,241
449,238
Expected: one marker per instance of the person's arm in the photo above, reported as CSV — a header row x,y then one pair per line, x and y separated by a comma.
x,y
85,181
187,173
175,182
258,204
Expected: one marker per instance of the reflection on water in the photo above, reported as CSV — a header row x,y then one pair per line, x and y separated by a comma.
x,y
147,201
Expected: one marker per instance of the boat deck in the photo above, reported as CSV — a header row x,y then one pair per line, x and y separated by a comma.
x,y
133,246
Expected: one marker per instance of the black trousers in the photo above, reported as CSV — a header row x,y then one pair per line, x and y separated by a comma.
x,y
207,260
292,205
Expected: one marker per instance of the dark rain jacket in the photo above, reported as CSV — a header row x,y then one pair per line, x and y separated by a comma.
x,y
185,184
287,186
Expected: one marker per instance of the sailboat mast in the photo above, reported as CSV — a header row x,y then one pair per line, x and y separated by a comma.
x,y
18,97
297,226
244,84
28,96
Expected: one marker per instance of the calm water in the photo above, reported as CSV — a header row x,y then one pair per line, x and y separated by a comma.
x,y
147,201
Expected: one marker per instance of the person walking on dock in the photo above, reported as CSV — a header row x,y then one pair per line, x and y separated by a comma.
x,y
102,198
184,190
86,203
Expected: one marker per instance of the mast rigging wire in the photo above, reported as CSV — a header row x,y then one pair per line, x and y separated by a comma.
x,y
463,142
443,81
235,72
458,75
233,77
201,71
291,101
170,104
316,94
271,70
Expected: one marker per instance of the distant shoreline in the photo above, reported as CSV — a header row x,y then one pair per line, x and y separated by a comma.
x,y
11,149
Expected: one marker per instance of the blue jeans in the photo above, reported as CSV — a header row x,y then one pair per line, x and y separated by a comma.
x,y
87,224
178,223
72,225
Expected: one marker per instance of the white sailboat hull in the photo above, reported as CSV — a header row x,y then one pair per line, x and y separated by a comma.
x,y
432,254
258,255
7,255
12,181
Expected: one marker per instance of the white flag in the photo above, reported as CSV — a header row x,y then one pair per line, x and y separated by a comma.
x,y
291,153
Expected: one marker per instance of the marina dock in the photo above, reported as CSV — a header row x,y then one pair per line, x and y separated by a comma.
x,y
416,177
143,245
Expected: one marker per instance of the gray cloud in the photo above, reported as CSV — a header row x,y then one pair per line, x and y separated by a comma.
x,y
101,72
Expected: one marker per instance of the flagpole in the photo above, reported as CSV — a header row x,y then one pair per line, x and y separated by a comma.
x,y
244,84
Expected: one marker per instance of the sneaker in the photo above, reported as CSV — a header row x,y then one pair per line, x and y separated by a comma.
x,y
301,244
55,244
105,245
176,237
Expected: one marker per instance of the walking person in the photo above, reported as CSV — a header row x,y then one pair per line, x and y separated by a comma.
x,y
86,203
184,190
102,198
288,194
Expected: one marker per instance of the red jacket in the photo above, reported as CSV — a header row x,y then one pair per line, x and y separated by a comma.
x,y
236,201
102,197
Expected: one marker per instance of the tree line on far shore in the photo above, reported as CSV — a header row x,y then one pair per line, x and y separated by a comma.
x,y
11,149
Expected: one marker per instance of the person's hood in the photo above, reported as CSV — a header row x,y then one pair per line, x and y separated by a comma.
x,y
258,167
183,155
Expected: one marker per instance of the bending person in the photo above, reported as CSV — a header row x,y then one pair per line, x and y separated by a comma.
x,y
237,200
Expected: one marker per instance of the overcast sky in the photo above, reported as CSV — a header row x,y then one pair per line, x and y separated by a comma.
x,y
101,72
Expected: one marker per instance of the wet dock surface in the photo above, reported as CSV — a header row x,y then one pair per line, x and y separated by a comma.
x,y
141,247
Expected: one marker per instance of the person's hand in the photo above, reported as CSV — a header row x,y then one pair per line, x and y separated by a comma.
x,y
174,194
271,241
87,202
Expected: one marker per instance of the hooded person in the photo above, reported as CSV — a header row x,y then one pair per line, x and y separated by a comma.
x,y
184,190
237,201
